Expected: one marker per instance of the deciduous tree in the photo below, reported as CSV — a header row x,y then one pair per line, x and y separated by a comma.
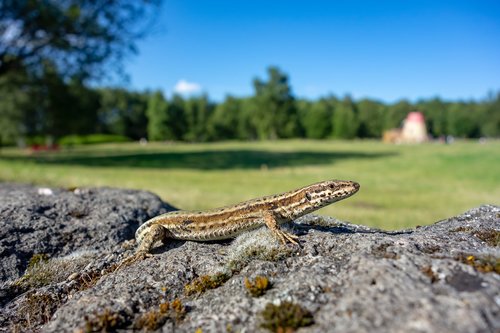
x,y
77,37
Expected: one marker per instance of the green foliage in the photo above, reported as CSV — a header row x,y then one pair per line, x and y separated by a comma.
x,y
14,107
276,115
73,140
80,38
178,125
316,118
396,113
198,111
50,50
461,120
51,110
42,114
370,118
44,90
435,112
158,118
345,123
246,124
225,119
490,122
122,112
67,108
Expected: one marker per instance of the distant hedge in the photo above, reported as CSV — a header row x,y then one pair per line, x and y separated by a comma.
x,y
73,140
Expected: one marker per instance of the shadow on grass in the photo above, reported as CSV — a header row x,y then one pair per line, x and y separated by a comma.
x,y
203,160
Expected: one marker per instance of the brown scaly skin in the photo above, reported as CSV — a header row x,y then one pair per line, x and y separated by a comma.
x,y
229,222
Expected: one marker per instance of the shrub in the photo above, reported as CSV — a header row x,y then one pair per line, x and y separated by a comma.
x,y
72,140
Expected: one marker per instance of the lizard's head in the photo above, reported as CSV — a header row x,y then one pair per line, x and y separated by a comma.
x,y
329,191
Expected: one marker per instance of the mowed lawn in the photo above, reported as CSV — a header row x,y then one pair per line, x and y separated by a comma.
x,y
401,185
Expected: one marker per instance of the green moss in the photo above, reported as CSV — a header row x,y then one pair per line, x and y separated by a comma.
x,y
461,229
484,264
151,320
164,307
258,287
381,251
179,309
429,248
285,317
38,273
427,270
489,236
42,271
205,282
106,321
37,309
36,259
154,319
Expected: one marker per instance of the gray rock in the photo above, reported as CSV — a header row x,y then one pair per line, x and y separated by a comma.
x,y
438,278
58,222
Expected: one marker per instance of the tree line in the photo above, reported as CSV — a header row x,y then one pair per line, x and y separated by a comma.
x,y
69,107
51,50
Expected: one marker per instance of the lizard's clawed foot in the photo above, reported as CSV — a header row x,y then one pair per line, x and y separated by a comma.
x,y
285,237
140,255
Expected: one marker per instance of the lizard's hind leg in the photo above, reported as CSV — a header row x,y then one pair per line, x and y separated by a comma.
x,y
154,233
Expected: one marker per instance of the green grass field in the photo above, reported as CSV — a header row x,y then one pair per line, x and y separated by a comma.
x,y
401,185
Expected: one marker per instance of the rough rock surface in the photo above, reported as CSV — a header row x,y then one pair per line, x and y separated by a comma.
x,y
438,278
32,220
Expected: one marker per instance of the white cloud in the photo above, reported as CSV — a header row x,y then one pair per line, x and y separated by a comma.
x,y
185,87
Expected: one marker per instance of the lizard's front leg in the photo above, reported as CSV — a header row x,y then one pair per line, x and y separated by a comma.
x,y
283,236
154,233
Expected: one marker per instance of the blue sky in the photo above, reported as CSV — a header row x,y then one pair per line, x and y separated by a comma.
x,y
385,50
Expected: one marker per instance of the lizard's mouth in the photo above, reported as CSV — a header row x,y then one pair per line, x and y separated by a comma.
x,y
356,185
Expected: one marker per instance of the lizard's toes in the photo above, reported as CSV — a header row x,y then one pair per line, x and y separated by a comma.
x,y
292,238
133,258
286,237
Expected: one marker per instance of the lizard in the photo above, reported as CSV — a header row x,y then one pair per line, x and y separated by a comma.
x,y
231,221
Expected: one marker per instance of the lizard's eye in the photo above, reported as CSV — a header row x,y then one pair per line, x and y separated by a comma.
x,y
308,196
